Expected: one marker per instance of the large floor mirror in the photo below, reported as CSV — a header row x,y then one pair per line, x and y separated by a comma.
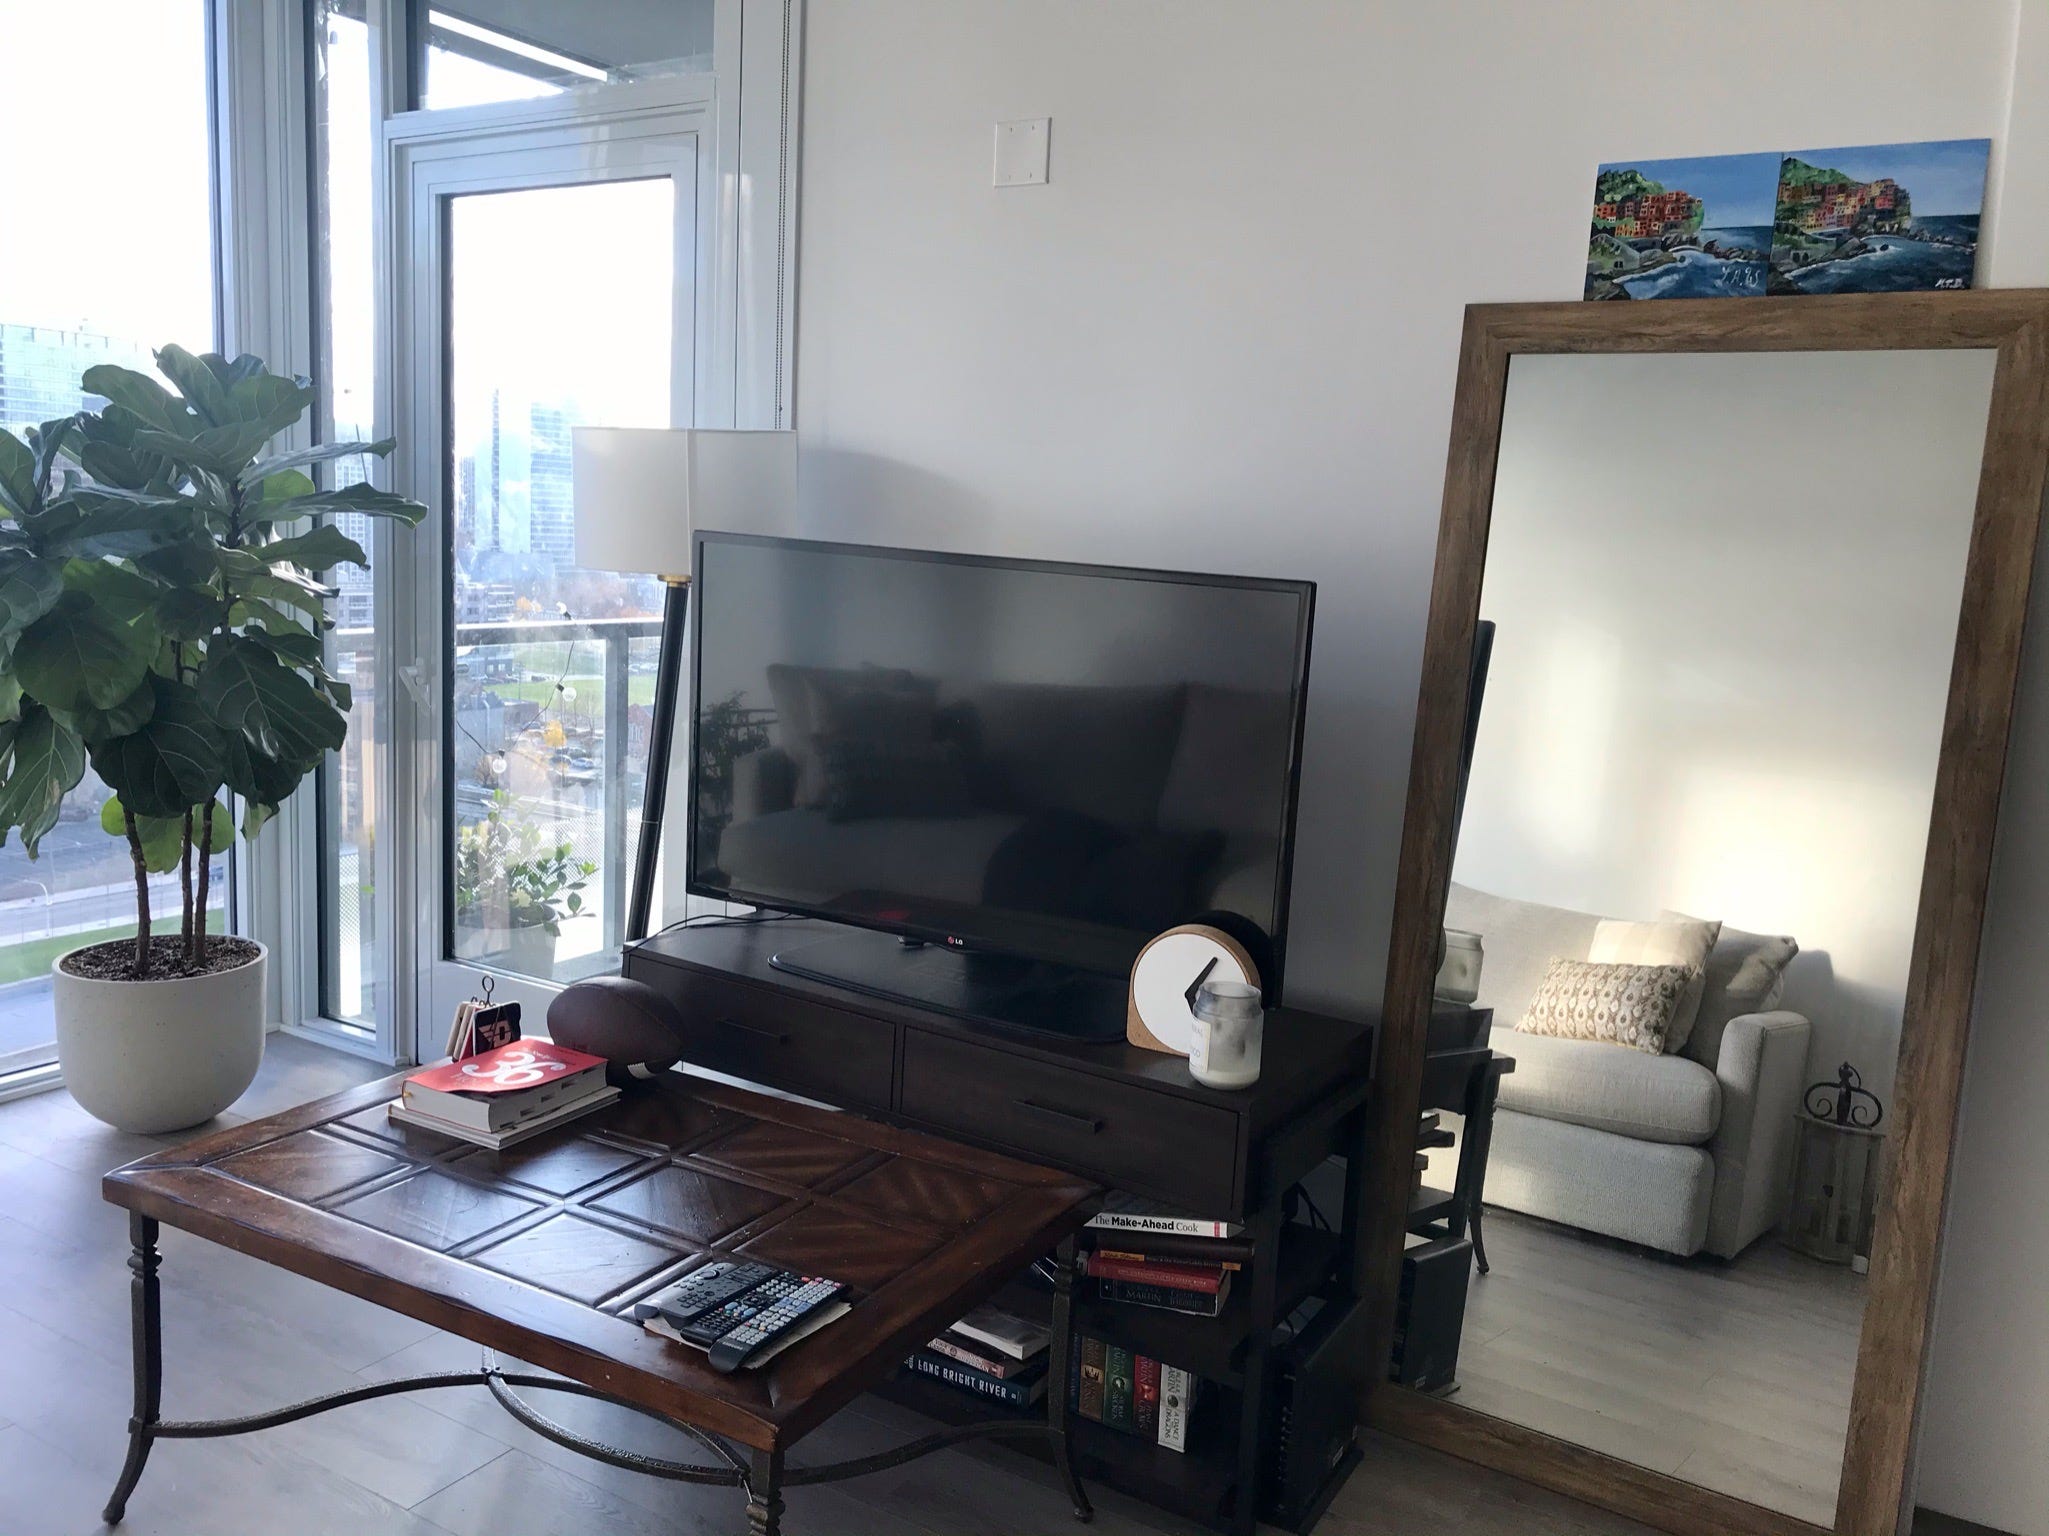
x,y
1722,652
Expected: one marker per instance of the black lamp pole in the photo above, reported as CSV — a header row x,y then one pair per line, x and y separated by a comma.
x,y
675,607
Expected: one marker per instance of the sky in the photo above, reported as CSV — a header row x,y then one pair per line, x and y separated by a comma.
x,y
1944,177
1737,189
104,189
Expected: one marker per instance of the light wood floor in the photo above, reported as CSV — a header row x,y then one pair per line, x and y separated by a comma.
x,y
241,1336
1736,1376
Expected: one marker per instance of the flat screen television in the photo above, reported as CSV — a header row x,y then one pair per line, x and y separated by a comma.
x,y
1005,776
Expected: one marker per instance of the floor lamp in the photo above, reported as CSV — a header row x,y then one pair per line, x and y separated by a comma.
x,y
639,493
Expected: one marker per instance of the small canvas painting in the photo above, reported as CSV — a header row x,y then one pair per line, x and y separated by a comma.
x,y
1879,218
1697,228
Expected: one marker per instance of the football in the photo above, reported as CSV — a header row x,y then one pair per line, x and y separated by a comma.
x,y
637,1030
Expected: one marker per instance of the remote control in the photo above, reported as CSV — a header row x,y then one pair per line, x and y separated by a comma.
x,y
701,1290
801,1295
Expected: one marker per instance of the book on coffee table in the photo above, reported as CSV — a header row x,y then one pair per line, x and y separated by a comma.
x,y
502,1089
498,1141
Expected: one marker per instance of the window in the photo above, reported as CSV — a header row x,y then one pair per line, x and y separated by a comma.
x,y
66,304
560,314
478,51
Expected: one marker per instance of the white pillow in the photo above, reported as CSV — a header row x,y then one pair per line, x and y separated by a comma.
x,y
1671,941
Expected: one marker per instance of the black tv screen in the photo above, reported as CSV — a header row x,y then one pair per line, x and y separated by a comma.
x,y
1053,762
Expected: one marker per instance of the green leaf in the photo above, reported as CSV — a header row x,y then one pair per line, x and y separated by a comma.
x,y
364,498
222,450
173,762
162,837
75,656
191,564
29,588
254,814
10,697
48,440
265,400
144,396
271,707
247,576
98,523
17,474
275,622
125,718
108,453
199,384
121,592
319,453
316,550
188,613
285,485
44,760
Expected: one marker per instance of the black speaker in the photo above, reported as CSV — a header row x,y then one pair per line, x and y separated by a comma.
x,y
1431,1313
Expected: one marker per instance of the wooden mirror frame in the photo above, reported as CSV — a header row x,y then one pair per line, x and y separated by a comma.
x,y
1875,1493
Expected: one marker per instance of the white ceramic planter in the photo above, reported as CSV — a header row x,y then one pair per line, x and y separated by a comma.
x,y
155,1056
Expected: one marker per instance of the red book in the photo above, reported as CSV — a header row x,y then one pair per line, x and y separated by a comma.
x,y
1206,1279
500,1088
1145,1391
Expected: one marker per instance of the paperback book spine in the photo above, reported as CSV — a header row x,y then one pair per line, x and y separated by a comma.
x,y
1145,1391
1091,1376
994,1365
1176,1387
1118,1408
1017,1394
1139,1294
1182,1226
1181,1277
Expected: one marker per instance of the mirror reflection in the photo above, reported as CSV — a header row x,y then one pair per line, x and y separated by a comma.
x,y
1719,608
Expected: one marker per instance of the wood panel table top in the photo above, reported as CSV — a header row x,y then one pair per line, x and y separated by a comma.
x,y
540,1250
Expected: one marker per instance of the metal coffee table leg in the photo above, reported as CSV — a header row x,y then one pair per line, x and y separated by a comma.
x,y
147,1321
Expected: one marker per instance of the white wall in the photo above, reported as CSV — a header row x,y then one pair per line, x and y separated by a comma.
x,y
1224,336
1726,590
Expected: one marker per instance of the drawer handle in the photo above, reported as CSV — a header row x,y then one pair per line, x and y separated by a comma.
x,y
773,1036
1062,1117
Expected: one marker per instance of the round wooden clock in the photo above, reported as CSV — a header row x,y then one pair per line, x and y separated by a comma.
x,y
1161,1012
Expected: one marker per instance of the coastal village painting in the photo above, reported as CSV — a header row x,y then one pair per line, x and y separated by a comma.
x,y
1882,218
1879,218
1697,228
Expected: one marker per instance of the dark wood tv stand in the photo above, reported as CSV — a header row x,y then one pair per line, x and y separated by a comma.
x,y
1134,1120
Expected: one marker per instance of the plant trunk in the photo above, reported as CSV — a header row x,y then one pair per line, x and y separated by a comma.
x,y
141,893
195,947
185,887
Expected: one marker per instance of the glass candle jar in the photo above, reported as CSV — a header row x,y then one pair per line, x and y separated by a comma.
x,y
1230,1023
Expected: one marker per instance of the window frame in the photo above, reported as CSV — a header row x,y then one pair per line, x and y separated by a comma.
x,y
236,40
744,378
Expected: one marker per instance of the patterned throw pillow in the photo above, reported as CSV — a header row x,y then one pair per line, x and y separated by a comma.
x,y
1631,1005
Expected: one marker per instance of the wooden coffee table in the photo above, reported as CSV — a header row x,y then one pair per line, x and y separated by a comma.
x,y
539,1250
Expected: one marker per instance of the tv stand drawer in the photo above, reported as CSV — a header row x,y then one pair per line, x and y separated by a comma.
x,y
767,1035
1132,1137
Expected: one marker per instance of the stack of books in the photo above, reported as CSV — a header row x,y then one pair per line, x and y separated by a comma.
x,y
1131,1392
992,1353
501,1097
1148,1257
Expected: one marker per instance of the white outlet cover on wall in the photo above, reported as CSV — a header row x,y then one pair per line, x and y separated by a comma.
x,y
1021,152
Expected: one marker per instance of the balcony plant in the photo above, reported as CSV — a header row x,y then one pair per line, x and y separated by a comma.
x,y
160,619
513,890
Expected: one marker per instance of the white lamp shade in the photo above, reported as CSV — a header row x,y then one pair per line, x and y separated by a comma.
x,y
641,491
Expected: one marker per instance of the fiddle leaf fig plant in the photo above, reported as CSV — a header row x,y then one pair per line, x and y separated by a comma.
x,y
161,618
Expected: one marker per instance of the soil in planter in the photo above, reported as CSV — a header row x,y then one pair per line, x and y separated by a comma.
x,y
115,959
